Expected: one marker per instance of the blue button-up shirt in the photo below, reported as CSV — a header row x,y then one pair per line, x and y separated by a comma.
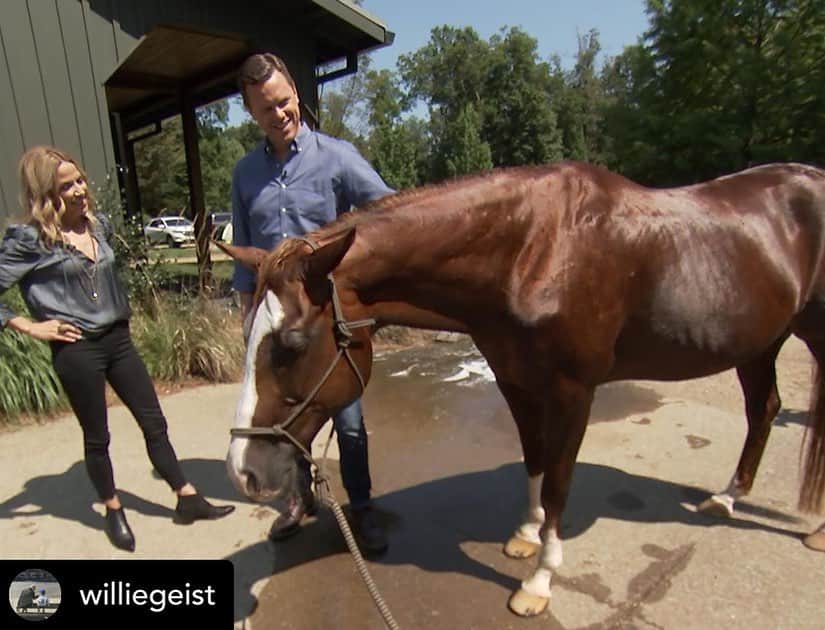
x,y
321,178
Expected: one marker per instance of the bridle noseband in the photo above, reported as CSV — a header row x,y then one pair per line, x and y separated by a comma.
x,y
343,339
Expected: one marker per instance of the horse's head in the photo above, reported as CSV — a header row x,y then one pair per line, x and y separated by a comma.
x,y
303,363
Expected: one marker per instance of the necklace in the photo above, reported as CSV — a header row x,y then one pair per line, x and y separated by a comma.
x,y
91,275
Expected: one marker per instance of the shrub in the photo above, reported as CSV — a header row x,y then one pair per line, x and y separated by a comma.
x,y
28,384
190,336
141,276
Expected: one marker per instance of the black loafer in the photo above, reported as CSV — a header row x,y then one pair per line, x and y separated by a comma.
x,y
194,507
118,530
288,522
369,531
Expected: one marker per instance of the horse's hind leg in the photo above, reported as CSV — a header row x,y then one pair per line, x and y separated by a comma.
x,y
762,403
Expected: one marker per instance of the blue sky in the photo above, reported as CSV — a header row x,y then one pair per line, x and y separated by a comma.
x,y
555,24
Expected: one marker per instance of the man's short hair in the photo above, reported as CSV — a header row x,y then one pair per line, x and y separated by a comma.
x,y
258,68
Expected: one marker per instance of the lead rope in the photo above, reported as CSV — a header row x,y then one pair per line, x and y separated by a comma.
x,y
326,497
322,481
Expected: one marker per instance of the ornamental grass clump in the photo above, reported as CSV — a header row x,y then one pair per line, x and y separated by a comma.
x,y
190,337
28,384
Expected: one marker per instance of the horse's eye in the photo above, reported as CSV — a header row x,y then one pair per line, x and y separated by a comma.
x,y
294,339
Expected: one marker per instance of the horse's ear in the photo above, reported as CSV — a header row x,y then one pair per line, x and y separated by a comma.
x,y
250,257
327,257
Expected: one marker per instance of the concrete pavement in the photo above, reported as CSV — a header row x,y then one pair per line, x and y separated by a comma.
x,y
445,463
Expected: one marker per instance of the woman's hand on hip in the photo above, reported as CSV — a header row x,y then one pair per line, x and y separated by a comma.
x,y
55,330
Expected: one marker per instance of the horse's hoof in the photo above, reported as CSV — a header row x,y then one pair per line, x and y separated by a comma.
x,y
715,507
518,548
526,605
815,541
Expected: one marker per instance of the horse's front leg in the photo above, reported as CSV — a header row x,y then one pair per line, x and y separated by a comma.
x,y
562,433
816,540
526,540
527,410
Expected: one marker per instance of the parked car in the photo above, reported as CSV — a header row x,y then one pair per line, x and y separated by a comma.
x,y
174,231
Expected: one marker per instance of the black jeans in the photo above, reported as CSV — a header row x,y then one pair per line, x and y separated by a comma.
x,y
83,368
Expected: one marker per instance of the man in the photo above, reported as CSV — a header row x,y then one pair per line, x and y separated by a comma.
x,y
26,598
295,181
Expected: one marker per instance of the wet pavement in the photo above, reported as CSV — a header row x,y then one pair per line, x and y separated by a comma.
x,y
448,475
450,484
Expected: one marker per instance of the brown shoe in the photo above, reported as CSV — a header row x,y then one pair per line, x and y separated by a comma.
x,y
368,529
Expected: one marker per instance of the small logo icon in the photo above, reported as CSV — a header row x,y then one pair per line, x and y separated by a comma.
x,y
34,595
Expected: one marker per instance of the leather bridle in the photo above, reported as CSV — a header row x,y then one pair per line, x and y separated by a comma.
x,y
342,329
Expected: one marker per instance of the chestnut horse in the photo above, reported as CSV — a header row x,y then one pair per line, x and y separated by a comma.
x,y
566,276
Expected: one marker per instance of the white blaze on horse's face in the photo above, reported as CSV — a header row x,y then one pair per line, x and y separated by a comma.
x,y
268,318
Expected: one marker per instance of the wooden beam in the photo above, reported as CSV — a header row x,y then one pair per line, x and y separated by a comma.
x,y
196,196
126,170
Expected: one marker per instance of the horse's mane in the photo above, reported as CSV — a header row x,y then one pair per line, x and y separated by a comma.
x,y
382,208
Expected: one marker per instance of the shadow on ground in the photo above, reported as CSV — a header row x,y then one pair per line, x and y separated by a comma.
x,y
431,525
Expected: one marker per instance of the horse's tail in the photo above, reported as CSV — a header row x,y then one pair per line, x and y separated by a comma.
x,y
813,479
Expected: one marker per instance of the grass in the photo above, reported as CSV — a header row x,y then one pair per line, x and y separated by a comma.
x,y
180,269
191,337
28,384
188,338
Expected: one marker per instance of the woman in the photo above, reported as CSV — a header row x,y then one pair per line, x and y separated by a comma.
x,y
64,265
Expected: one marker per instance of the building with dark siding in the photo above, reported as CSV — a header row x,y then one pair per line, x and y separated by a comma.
x,y
87,75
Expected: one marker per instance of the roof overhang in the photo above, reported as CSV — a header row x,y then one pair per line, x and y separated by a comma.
x,y
170,60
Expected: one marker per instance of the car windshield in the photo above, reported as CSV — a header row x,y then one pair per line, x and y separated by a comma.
x,y
178,222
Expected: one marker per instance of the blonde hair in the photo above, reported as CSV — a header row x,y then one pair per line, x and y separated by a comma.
x,y
39,197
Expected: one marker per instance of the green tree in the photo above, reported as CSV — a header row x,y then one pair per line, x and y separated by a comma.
x,y
395,145
719,85
518,118
219,152
344,105
161,169
498,91
248,134
581,104
161,163
447,72
461,148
